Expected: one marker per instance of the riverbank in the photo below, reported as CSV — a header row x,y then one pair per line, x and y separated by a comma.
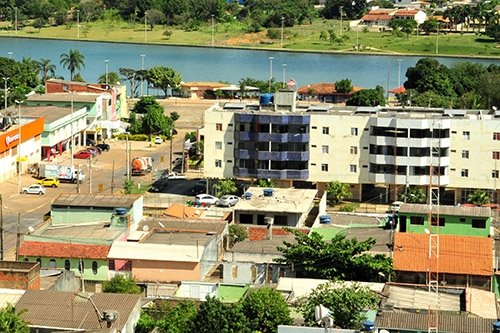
x,y
303,39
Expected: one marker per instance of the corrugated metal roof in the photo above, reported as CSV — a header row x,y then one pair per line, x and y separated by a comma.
x,y
418,298
96,200
457,254
446,210
10,296
68,310
448,323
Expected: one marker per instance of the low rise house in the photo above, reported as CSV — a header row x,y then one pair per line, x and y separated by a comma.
x,y
325,92
51,311
464,261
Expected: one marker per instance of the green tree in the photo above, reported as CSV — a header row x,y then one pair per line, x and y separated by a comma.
x,y
266,183
237,233
113,78
338,191
121,285
429,26
413,194
155,122
215,316
343,86
340,258
346,303
348,9
429,75
405,26
47,69
11,321
225,186
131,76
432,99
367,97
154,17
164,78
478,198
167,318
73,60
144,104
265,308
173,9
203,10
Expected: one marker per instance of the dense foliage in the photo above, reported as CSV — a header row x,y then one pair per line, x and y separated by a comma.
x,y
310,256
261,311
346,303
338,191
153,120
464,85
11,321
121,285
367,97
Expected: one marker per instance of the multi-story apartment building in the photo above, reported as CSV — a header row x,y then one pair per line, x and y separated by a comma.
x,y
378,151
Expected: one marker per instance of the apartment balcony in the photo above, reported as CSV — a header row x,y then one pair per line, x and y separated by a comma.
x,y
411,160
409,142
401,179
287,119
273,137
272,174
272,155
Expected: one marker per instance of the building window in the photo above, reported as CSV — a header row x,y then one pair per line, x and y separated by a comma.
x,y
218,163
496,155
52,263
465,154
434,221
354,150
94,267
479,223
218,144
26,260
418,220
464,173
326,130
81,267
496,136
67,265
494,173
354,131
324,149
324,167
353,168
466,135
229,161
218,127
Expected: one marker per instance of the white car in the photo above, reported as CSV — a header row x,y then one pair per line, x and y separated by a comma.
x,y
205,200
174,176
34,189
158,140
228,200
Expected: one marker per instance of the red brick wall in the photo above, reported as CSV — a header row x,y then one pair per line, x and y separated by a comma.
x,y
259,233
58,87
18,280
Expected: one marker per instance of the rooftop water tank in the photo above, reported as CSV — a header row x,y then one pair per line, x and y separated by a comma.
x,y
120,211
266,99
248,195
324,219
496,327
368,326
268,192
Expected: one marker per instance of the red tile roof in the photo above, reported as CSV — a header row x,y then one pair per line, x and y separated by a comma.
x,y
405,12
376,17
323,88
457,254
63,250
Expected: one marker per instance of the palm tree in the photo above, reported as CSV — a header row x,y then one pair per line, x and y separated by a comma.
x,y
478,198
11,321
73,60
225,186
47,69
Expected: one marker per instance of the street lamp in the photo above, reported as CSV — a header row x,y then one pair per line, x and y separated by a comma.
x,y
142,69
15,18
19,156
270,72
282,28
5,91
437,39
213,37
78,23
341,8
284,70
399,73
106,62
145,27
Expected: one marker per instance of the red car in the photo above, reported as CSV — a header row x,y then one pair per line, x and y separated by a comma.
x,y
83,154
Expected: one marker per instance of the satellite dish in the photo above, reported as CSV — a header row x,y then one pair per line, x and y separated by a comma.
x,y
145,228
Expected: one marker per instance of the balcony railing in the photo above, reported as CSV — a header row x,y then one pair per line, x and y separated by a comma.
x,y
272,174
272,155
273,137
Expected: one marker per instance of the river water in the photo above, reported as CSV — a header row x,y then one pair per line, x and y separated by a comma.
x,y
227,65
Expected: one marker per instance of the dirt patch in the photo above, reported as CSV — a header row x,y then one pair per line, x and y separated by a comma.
x,y
249,39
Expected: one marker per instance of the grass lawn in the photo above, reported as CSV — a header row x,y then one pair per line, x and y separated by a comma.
x,y
298,38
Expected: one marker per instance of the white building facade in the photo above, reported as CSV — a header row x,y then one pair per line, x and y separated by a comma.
x,y
377,151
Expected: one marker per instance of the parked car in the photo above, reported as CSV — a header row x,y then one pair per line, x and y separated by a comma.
x,y
103,146
94,151
34,189
205,200
49,182
228,200
176,176
159,186
158,140
83,154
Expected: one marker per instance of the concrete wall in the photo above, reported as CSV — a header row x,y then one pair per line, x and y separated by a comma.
x,y
20,275
196,290
161,271
88,274
78,215
252,273
209,256
133,318
453,225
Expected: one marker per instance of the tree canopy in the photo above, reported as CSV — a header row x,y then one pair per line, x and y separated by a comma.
x,y
11,321
367,97
121,285
346,303
310,256
338,191
164,78
73,61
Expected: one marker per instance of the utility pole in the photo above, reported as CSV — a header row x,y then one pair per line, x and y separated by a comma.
x,y
18,236
78,179
5,91
1,228
282,29
113,178
15,18
90,174
171,148
142,69
127,157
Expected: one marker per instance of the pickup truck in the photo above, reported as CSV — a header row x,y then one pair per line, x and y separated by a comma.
x,y
174,176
